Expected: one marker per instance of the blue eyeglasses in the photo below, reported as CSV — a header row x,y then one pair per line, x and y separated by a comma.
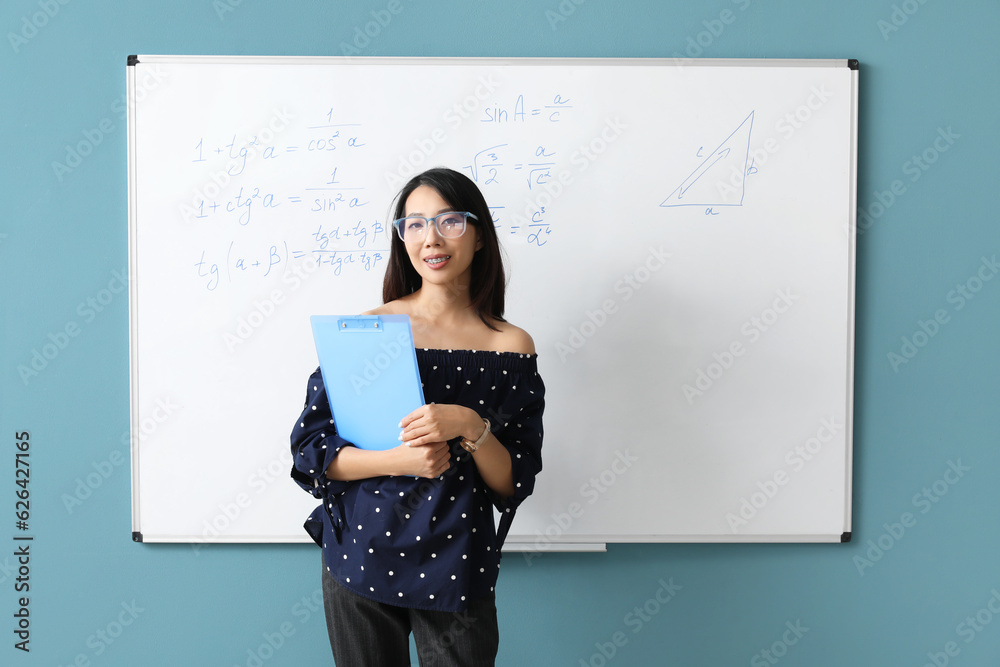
x,y
450,225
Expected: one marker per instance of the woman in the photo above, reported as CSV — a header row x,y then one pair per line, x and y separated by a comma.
x,y
408,537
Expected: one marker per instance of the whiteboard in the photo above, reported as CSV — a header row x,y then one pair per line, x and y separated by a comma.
x,y
680,245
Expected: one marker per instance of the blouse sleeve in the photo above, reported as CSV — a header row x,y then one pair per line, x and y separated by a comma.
x,y
519,429
315,442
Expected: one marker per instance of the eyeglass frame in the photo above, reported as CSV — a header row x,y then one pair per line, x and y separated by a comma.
x,y
434,221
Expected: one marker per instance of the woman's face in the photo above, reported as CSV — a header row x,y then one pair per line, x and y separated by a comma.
x,y
437,259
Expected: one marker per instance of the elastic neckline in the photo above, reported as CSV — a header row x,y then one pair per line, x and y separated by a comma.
x,y
513,361
442,350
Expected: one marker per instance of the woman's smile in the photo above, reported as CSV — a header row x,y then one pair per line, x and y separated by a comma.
x,y
436,261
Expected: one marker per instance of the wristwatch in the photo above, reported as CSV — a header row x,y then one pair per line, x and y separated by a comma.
x,y
470,446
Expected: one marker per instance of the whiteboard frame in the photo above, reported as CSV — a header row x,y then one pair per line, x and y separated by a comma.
x,y
514,544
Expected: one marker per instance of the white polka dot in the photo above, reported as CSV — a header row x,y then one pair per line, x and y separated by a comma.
x,y
348,580
400,595
314,387
303,424
453,577
463,597
421,575
458,368
432,597
379,509
447,386
371,588
371,551
322,435
434,555
390,573
387,533
314,407
464,556
418,538
359,526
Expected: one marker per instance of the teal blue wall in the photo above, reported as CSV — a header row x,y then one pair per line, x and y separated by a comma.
x,y
920,593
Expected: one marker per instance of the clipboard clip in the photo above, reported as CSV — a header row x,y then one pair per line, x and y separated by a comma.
x,y
367,323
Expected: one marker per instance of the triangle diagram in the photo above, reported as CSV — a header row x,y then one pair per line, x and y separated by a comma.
x,y
719,179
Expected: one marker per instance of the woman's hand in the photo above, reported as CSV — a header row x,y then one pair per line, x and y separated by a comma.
x,y
434,424
439,423
427,460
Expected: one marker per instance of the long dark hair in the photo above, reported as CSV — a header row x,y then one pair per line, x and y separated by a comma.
x,y
488,281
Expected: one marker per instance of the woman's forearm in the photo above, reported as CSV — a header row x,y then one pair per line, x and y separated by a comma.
x,y
352,464
493,461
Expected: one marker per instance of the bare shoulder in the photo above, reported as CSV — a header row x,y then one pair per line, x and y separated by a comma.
x,y
513,339
391,308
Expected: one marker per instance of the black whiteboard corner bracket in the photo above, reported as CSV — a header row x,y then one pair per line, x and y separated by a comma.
x,y
852,63
136,536
132,62
845,537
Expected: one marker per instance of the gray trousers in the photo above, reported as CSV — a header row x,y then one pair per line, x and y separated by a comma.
x,y
366,633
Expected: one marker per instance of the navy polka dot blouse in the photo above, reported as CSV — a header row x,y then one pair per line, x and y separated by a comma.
x,y
417,542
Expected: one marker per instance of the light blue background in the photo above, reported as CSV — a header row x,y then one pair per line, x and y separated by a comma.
x,y
60,240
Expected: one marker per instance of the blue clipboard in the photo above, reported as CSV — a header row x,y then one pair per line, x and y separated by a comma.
x,y
369,367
